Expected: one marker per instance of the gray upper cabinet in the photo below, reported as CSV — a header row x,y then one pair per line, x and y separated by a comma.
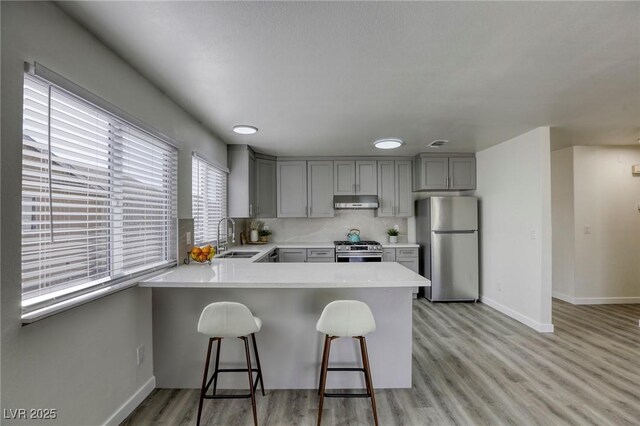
x,y
394,188
344,177
241,196
403,196
355,177
265,187
292,188
386,188
432,173
320,188
462,173
366,178
442,172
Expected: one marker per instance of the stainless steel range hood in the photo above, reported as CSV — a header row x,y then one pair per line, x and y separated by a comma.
x,y
355,201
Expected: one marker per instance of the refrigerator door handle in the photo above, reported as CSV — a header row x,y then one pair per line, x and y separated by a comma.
x,y
471,231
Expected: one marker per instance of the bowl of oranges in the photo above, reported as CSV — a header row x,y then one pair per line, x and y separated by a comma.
x,y
202,254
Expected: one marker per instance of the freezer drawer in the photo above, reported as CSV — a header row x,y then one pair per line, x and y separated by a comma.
x,y
454,266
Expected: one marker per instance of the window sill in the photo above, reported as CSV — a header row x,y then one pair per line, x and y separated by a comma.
x,y
65,305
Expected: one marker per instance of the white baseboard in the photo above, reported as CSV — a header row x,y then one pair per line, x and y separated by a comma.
x,y
136,399
564,297
596,300
538,326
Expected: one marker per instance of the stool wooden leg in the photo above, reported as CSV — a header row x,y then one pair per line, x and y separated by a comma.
x,y
253,397
367,373
204,381
255,351
324,357
215,371
323,375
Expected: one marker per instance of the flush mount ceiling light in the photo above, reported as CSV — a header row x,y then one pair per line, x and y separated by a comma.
x,y
387,143
245,129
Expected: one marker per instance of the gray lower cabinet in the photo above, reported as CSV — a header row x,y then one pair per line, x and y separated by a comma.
x,y
300,255
442,172
389,255
355,177
292,255
394,188
292,189
320,188
406,256
265,185
321,255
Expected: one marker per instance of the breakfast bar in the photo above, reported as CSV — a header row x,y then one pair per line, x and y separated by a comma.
x,y
288,298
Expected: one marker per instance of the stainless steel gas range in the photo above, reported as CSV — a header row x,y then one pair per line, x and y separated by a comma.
x,y
363,251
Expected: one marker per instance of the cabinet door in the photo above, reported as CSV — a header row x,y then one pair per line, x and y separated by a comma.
x,y
265,188
292,255
434,173
411,264
320,188
321,253
253,209
386,188
292,189
366,178
389,255
240,185
462,173
403,194
344,177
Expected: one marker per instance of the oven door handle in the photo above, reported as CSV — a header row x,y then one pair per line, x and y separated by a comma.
x,y
358,255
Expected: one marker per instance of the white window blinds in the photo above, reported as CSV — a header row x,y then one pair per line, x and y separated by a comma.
x,y
209,199
99,197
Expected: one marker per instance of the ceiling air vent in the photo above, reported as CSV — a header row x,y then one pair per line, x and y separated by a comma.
x,y
437,144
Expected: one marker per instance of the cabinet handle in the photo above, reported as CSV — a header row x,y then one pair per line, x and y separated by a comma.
x,y
258,210
306,209
250,210
451,184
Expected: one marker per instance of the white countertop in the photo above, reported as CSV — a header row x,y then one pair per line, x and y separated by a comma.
x,y
246,273
242,273
323,245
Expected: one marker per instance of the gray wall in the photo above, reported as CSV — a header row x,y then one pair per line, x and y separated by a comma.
x,y
81,362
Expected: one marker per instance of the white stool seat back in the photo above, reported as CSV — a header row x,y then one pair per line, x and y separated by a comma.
x,y
228,319
346,318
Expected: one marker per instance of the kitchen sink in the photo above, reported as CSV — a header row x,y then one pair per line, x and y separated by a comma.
x,y
238,255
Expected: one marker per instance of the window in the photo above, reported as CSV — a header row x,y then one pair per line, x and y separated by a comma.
x,y
209,199
99,197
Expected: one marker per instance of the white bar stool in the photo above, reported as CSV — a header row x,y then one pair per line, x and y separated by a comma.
x,y
346,318
229,319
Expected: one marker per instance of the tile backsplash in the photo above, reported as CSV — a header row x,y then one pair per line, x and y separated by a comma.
x,y
334,228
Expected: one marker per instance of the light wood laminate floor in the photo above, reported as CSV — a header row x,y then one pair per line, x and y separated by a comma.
x,y
471,366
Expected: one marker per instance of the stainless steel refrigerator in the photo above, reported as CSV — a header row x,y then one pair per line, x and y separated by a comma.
x,y
447,231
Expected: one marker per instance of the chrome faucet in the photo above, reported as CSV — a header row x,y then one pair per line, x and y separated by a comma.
x,y
222,247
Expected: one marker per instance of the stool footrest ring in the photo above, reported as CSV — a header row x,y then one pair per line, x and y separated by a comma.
x,y
362,370
347,395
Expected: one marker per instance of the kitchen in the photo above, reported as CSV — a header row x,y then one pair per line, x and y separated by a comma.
x,y
317,115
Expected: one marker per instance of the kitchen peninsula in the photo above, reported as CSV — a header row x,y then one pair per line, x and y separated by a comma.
x,y
289,298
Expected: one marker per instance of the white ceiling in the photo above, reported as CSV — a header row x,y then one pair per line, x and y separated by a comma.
x,y
329,78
